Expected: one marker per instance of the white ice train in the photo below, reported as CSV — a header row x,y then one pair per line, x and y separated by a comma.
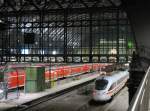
x,y
106,87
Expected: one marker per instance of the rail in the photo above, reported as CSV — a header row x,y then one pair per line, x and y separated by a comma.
x,y
140,101
46,98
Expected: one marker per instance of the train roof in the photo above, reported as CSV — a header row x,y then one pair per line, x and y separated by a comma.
x,y
116,75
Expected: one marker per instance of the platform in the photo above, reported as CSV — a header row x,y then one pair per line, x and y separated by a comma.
x,y
28,97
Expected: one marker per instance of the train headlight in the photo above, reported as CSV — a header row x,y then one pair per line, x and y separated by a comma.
x,y
94,92
1,91
1,94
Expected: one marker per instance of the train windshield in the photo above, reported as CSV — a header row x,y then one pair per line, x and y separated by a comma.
x,y
101,84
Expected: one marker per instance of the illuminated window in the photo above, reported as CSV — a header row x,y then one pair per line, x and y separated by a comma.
x,y
25,51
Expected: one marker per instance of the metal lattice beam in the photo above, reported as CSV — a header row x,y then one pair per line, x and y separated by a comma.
x,y
58,3
113,4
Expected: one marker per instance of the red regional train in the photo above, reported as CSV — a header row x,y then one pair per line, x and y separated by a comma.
x,y
16,76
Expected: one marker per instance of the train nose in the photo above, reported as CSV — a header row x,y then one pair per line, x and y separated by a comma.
x,y
98,92
100,96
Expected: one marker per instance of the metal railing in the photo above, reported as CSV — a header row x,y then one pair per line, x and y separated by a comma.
x,y
140,101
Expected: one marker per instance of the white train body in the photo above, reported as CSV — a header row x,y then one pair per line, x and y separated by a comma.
x,y
107,86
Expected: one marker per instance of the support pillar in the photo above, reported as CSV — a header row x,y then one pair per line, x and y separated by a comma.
x,y
136,73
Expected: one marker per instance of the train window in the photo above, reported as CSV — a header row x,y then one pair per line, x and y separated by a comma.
x,y
112,86
101,84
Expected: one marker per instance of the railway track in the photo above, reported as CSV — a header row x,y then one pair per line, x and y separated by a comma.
x,y
44,99
80,100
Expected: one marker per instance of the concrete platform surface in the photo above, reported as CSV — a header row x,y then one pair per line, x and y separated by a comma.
x,y
27,97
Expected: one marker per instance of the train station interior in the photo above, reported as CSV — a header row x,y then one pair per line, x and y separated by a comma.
x,y
74,55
